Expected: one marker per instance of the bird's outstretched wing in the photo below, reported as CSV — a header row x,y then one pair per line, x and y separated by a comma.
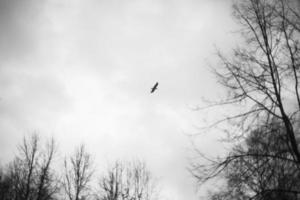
x,y
154,87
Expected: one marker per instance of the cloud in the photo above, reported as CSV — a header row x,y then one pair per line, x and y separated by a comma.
x,y
19,22
82,71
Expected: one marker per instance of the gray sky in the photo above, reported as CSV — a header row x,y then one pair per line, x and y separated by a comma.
x,y
82,70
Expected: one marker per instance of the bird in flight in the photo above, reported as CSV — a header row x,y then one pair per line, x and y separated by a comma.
x,y
154,87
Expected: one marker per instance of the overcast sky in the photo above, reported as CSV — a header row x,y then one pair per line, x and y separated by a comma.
x,y
81,71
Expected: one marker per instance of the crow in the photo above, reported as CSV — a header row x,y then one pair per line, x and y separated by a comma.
x,y
154,87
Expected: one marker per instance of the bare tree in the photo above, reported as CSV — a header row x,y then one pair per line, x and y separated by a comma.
x,y
47,183
127,181
111,183
78,174
261,167
30,175
29,151
264,76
